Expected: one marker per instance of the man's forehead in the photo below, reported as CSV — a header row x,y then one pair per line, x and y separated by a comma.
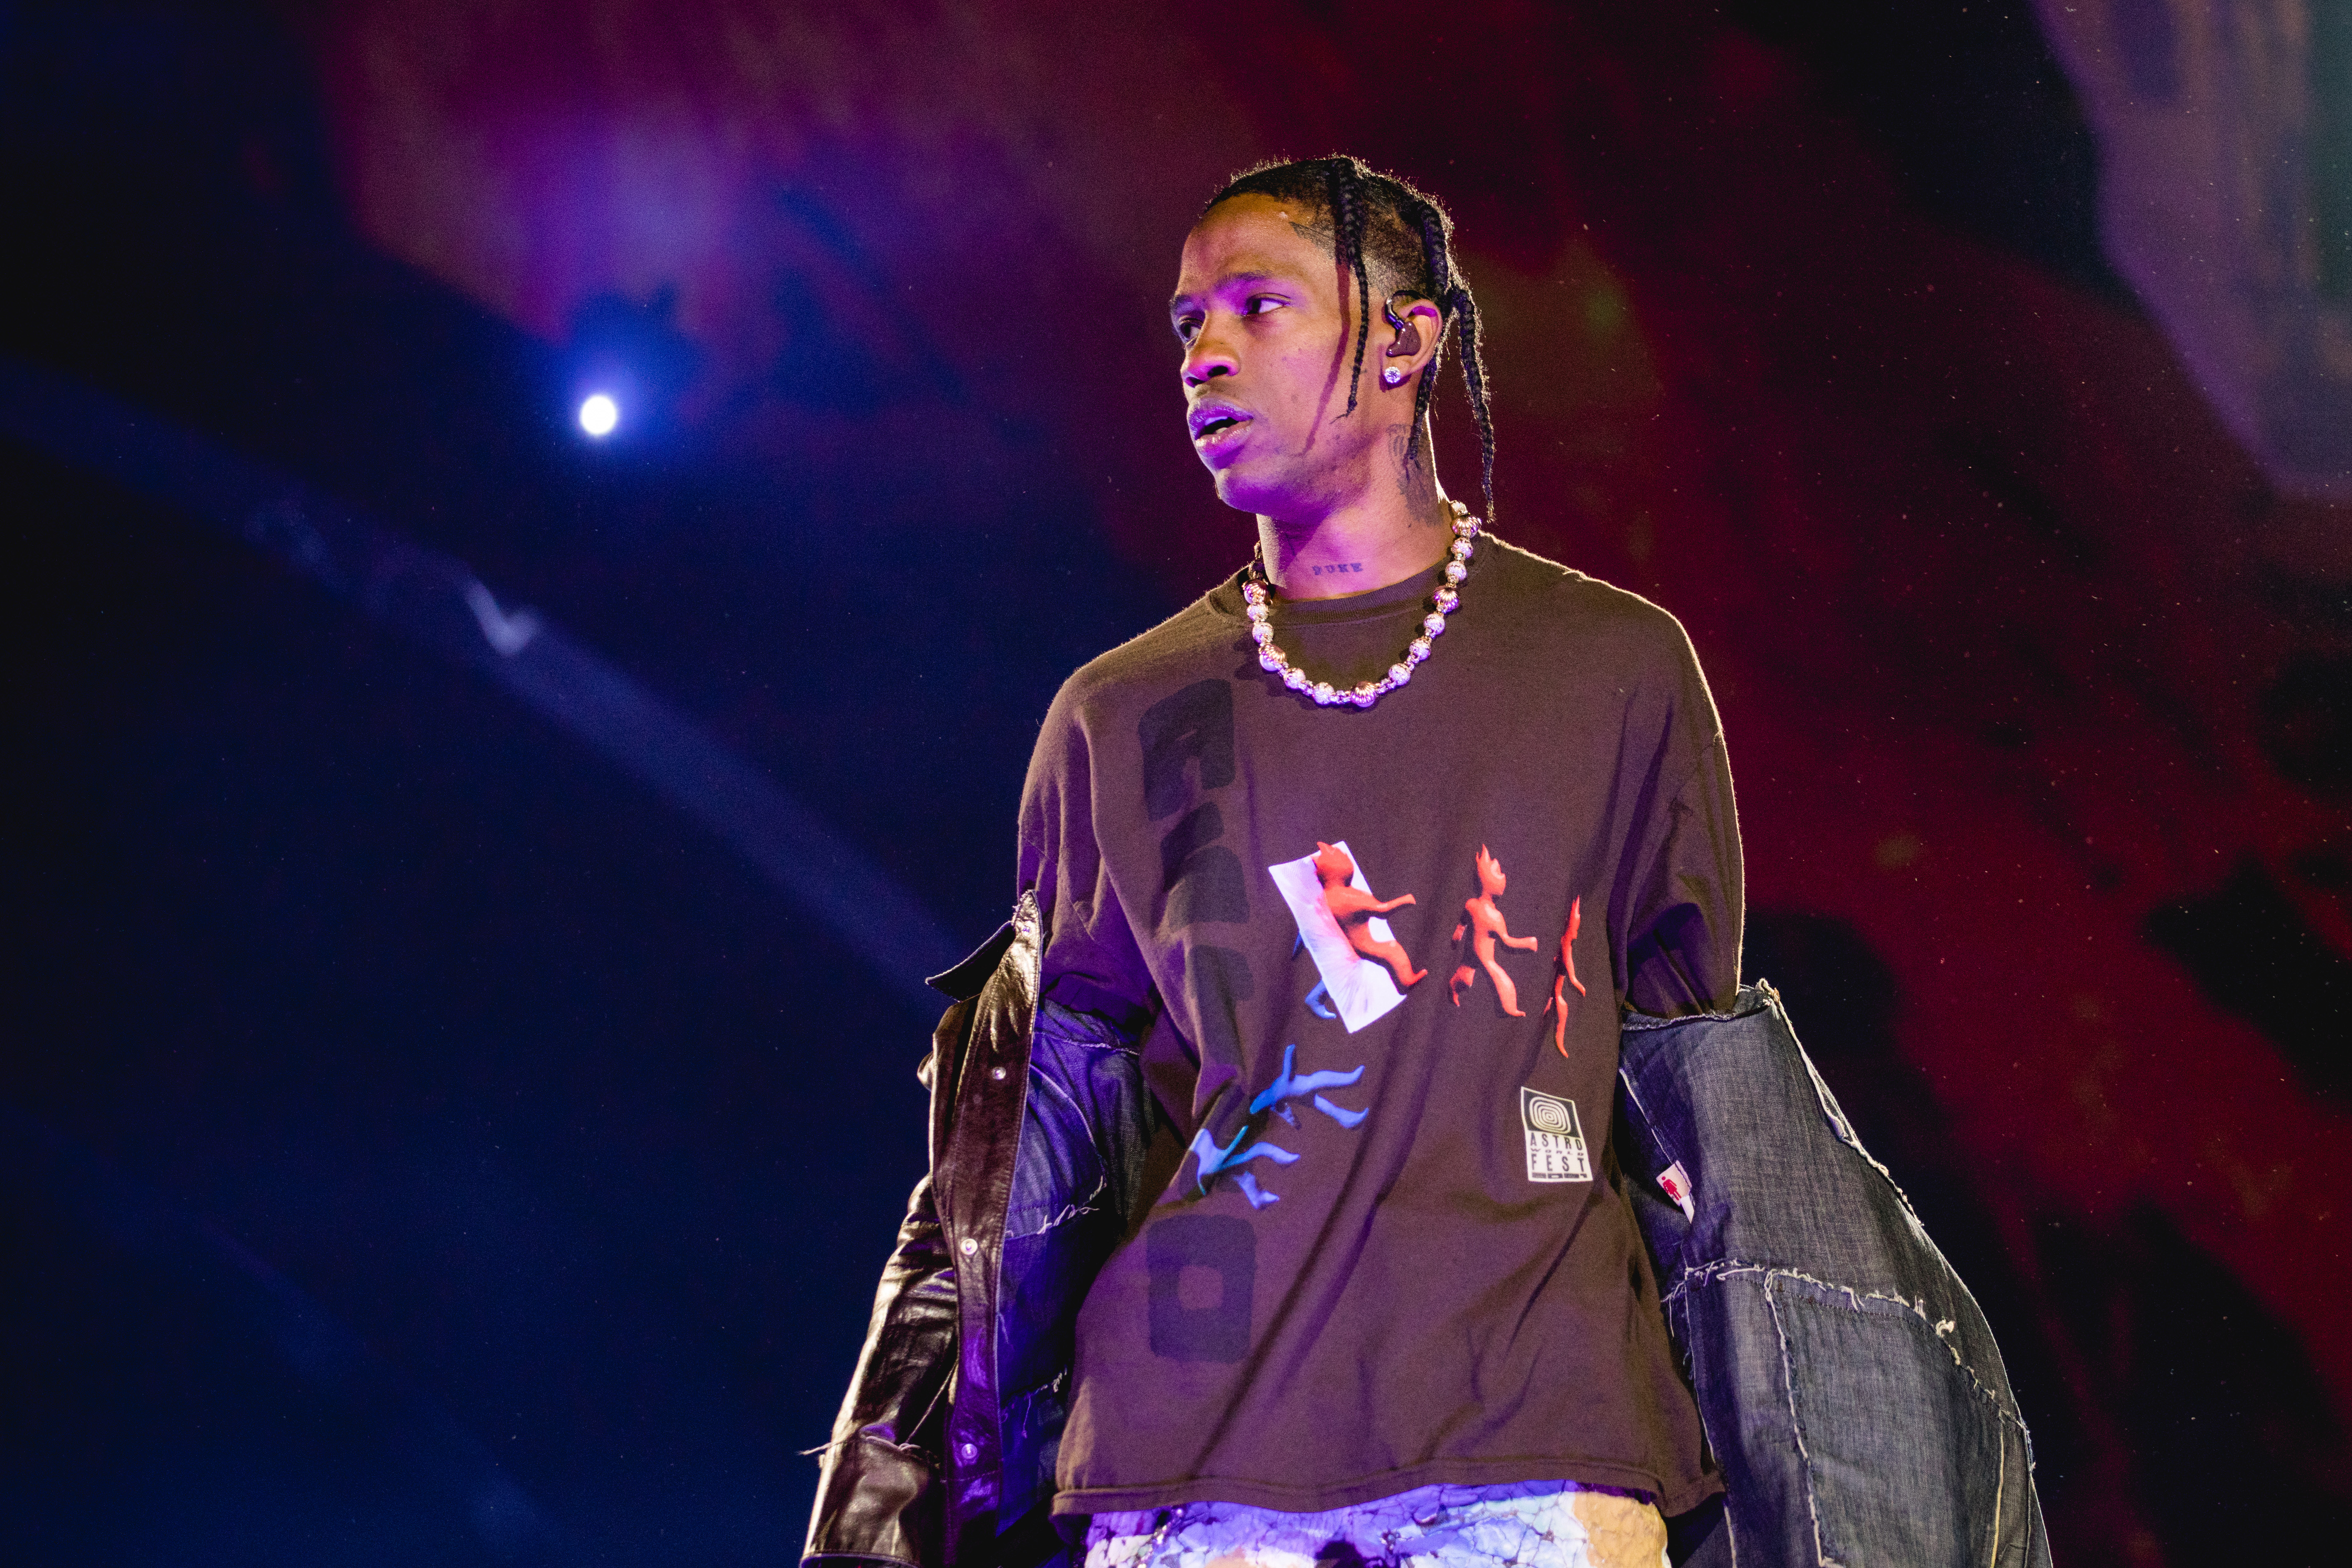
x,y
1268,242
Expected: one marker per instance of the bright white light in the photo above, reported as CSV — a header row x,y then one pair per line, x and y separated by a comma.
x,y
599,414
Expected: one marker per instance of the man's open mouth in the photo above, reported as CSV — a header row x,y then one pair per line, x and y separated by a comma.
x,y
1207,424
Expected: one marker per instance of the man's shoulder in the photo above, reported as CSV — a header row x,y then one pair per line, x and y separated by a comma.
x,y
1554,597
1182,647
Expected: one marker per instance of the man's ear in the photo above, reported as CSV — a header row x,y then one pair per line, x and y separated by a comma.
x,y
1416,327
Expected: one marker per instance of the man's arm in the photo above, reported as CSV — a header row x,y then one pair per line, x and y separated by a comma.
x,y
1687,894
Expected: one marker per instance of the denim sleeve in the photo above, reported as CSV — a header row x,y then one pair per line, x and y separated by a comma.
x,y
1074,1181
1849,1383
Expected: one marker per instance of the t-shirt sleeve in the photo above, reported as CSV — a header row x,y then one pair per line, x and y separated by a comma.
x,y
1091,963
1684,900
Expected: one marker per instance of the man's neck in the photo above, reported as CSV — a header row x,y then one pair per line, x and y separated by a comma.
x,y
1368,544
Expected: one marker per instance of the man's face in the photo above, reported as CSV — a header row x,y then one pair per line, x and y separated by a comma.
x,y
1267,320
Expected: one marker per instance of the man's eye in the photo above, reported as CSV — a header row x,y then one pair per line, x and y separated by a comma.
x,y
1260,304
1188,329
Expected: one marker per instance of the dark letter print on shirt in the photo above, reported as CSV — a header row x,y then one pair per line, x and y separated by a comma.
x,y
1204,1317
1203,880
1218,978
1200,879
1196,724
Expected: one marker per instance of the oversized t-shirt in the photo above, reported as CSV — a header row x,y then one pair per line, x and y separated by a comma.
x,y
1377,957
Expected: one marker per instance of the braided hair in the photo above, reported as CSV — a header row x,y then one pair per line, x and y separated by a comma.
x,y
1377,219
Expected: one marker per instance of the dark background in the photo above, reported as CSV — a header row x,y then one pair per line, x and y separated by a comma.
x,y
420,1141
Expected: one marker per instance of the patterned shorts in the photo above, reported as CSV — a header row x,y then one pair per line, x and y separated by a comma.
x,y
1529,1524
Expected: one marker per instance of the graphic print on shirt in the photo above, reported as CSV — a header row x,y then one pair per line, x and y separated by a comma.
x,y
1555,1135
1203,1271
1356,954
1564,973
1193,732
1187,742
1482,923
1356,910
1211,1160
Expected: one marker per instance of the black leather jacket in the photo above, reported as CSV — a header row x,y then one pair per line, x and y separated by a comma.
x,y
943,1453
1848,1384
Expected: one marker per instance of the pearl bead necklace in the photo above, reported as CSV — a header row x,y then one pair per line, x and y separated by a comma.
x,y
1448,596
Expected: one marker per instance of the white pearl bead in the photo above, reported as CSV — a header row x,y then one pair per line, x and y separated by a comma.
x,y
1445,600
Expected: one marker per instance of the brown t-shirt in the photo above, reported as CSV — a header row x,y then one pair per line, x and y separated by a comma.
x,y
1395,1252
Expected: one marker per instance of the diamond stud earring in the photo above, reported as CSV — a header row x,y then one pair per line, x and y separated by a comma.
x,y
1391,376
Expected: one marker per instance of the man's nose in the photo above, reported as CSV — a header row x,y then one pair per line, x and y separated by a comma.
x,y
1206,359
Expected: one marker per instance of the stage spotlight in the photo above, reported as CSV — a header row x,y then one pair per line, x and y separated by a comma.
x,y
599,414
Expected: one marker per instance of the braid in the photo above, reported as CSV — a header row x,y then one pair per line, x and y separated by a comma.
x,y
1379,216
1474,373
1346,180
1439,264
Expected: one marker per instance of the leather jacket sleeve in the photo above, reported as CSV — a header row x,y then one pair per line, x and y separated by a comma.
x,y
880,1495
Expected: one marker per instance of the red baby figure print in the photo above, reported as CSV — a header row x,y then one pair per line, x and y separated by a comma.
x,y
1353,907
1483,922
1564,973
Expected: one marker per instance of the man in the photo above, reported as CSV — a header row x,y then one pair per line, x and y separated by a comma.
x,y
1445,1292
1390,1261
1274,1216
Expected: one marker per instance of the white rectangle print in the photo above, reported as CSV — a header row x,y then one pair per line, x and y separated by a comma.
x,y
1360,989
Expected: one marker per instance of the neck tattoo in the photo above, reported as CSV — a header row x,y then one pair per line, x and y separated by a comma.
x,y
1256,589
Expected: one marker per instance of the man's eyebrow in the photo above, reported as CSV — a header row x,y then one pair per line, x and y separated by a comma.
x,y
1178,301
